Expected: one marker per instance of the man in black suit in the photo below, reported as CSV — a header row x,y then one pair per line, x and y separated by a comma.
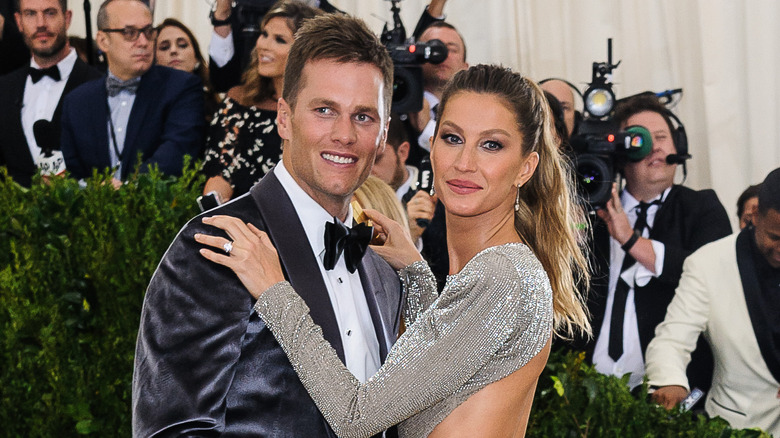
x,y
35,92
205,363
138,108
640,241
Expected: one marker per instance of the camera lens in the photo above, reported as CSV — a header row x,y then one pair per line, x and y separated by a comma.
x,y
594,179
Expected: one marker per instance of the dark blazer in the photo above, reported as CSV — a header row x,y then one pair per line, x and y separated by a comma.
x,y
206,364
165,124
14,150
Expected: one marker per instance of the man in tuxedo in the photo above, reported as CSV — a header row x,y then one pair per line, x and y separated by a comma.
x,y
138,108
640,240
730,291
205,363
31,97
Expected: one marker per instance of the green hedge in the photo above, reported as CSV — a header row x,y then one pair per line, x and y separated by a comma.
x,y
74,265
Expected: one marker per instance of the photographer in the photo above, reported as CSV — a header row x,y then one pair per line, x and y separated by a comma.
x,y
640,241
228,42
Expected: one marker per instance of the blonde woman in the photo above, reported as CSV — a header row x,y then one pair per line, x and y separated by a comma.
x,y
470,358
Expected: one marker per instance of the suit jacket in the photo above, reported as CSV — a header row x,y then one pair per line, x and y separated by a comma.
x,y
166,123
710,299
207,365
685,221
14,150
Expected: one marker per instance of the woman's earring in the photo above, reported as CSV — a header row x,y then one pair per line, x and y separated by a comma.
x,y
517,199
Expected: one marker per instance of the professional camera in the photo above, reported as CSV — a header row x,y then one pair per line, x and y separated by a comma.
x,y
408,57
250,13
599,147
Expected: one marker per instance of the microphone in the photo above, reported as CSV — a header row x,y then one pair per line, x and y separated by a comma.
x,y
51,161
677,158
46,136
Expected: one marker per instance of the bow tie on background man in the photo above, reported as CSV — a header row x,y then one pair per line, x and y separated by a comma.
x,y
115,85
37,74
352,241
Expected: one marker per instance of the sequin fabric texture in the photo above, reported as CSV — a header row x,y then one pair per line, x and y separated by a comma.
x,y
243,145
490,320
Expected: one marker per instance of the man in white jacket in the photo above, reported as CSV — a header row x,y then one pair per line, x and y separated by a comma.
x,y
730,291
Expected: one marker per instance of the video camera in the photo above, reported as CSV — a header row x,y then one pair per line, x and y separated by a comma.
x,y
600,147
408,57
250,13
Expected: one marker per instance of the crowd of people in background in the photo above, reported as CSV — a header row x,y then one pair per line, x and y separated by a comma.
x,y
675,298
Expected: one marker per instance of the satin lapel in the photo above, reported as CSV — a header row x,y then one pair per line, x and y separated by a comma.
x,y
662,225
16,138
301,269
99,110
144,98
377,299
748,273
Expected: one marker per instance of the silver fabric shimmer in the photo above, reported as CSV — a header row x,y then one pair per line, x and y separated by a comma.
x,y
490,320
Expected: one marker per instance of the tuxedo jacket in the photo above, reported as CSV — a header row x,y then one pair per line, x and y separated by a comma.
x,y
686,220
206,364
166,123
711,300
14,150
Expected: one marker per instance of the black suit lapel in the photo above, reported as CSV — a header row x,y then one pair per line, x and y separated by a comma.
x,y
754,298
663,222
144,98
15,135
298,260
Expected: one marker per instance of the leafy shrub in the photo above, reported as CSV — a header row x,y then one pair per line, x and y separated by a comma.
x,y
573,400
74,265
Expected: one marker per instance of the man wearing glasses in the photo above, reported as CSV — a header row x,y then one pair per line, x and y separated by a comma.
x,y
139,111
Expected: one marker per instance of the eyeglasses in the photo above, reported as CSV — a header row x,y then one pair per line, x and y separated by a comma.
x,y
130,33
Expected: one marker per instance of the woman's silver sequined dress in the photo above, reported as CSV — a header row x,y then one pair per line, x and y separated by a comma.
x,y
490,320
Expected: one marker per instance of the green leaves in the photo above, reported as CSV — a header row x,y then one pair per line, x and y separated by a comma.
x,y
574,400
74,265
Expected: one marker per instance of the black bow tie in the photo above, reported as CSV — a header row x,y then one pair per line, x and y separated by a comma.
x,y
37,74
352,241
115,85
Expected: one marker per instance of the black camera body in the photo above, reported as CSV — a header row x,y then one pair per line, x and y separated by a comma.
x,y
600,149
408,58
249,14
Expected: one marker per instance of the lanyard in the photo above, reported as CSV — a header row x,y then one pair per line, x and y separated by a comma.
x,y
113,135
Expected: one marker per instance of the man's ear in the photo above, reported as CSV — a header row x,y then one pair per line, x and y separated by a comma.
x,y
102,41
283,119
403,151
68,18
527,169
18,19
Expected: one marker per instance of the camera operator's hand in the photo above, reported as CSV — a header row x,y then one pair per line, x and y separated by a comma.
x,y
669,396
421,206
420,120
222,11
620,229
615,218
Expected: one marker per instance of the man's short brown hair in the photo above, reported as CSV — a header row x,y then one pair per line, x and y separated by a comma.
x,y
339,38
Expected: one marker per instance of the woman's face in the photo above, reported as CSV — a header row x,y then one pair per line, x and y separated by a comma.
x,y
477,156
272,48
174,49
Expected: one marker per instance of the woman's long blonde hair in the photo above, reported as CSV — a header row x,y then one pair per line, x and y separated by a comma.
x,y
378,195
548,216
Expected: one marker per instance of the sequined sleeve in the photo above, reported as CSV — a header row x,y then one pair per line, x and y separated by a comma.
x,y
478,315
420,289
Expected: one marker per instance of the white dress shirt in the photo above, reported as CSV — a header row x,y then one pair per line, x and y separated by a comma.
x,y
361,347
41,100
632,360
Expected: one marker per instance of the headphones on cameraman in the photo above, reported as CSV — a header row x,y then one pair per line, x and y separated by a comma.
x,y
680,139
577,113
